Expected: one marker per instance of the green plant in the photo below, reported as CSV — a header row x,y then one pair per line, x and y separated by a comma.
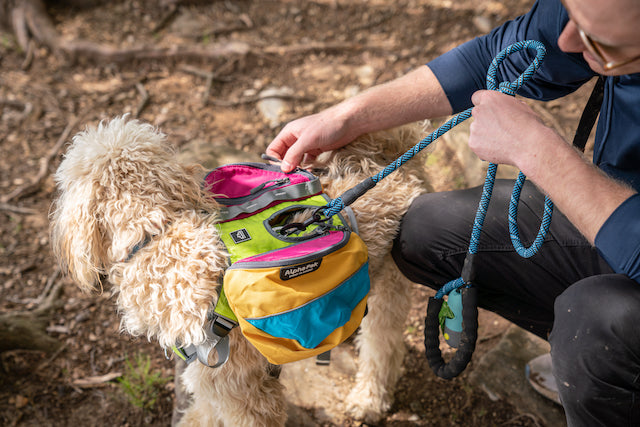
x,y
6,41
141,386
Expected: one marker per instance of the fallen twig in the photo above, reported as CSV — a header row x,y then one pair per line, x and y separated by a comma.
x,y
50,359
17,209
203,73
144,101
48,296
166,19
256,98
28,58
45,162
208,75
296,49
20,27
224,30
30,17
96,381
48,299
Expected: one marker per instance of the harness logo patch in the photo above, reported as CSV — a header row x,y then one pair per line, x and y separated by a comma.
x,y
240,236
288,273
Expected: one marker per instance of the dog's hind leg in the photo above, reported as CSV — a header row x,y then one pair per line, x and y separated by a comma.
x,y
380,344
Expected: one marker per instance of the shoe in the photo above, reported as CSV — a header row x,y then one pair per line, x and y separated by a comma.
x,y
539,374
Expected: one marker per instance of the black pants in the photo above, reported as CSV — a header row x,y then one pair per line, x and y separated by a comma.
x,y
566,293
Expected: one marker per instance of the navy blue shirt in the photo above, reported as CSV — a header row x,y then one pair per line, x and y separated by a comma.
x,y
462,71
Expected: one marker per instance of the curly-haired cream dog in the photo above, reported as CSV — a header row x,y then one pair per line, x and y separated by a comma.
x,y
120,184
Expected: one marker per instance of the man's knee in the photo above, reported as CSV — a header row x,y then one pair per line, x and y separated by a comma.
x,y
599,305
595,345
429,233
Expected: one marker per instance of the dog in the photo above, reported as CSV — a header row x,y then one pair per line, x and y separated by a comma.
x,y
119,184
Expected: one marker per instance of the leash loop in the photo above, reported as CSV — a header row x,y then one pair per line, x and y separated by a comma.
x,y
463,334
467,308
510,89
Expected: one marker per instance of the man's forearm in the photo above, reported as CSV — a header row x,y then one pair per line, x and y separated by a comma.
x,y
578,188
412,97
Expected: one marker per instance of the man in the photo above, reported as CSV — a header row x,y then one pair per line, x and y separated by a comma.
x,y
583,287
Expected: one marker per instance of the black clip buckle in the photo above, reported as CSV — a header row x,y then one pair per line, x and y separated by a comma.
x,y
293,227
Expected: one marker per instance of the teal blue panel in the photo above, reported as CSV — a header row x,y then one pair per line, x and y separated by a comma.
x,y
311,323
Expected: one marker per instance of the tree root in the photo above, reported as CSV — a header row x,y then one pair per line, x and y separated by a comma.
x,y
30,18
26,330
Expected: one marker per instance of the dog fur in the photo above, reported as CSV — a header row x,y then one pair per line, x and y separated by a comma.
x,y
120,184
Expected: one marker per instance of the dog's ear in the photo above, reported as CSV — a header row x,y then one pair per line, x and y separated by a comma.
x,y
76,238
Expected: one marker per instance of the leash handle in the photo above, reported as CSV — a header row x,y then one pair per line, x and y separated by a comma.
x,y
468,336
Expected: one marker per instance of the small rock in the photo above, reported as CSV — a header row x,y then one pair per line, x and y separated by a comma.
x,y
483,24
271,104
21,401
366,75
351,91
500,374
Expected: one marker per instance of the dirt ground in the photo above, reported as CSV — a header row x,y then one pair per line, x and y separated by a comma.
x,y
321,50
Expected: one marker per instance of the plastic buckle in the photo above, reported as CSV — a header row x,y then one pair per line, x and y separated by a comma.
x,y
221,326
187,354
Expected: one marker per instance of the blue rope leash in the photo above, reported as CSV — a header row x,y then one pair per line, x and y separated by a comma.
x,y
349,196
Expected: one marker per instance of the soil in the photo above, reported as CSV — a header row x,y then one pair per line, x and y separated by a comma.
x,y
319,49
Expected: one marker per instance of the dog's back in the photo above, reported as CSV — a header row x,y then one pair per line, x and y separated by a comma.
x,y
380,210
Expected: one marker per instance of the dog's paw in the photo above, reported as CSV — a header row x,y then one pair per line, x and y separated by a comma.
x,y
367,403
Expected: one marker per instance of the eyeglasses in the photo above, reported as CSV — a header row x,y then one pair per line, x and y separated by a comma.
x,y
596,51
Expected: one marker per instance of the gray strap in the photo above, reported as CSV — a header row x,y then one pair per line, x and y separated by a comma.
x,y
220,345
295,191
352,219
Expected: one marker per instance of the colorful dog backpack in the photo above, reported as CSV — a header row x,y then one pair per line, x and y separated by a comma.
x,y
296,290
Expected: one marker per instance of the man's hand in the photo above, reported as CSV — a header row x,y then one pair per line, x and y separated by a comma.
x,y
506,131
412,97
305,138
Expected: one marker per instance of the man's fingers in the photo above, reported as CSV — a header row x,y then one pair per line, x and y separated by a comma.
x,y
478,96
280,144
293,157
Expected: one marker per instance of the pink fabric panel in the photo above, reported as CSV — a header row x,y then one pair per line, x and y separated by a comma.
x,y
237,180
299,250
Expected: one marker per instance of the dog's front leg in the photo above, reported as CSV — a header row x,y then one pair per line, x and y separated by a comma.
x,y
241,393
380,344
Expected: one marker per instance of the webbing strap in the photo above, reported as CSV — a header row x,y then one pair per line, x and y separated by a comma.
x,y
222,307
589,114
291,192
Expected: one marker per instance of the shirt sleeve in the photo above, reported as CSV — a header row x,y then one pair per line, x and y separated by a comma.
x,y
618,240
463,70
